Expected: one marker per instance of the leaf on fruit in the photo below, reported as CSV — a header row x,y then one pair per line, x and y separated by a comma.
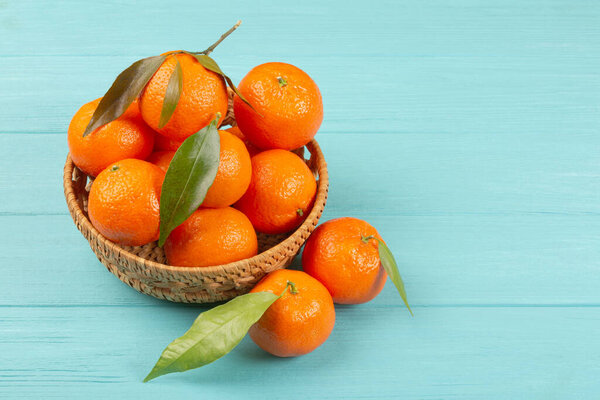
x,y
124,90
390,266
172,95
214,333
190,175
211,65
208,63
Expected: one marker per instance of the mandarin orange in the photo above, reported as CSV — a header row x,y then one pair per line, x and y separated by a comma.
x,y
281,192
203,95
211,236
343,255
233,175
126,137
123,203
288,108
299,321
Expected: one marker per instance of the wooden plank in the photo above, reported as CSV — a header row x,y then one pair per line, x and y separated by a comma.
x,y
286,28
31,169
398,93
374,352
445,260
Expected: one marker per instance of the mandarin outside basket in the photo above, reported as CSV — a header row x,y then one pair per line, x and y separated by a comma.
x,y
144,268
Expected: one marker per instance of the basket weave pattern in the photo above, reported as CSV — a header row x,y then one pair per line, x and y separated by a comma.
x,y
144,268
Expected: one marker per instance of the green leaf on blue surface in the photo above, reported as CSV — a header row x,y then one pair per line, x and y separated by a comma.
x,y
389,264
190,175
214,333
124,90
172,95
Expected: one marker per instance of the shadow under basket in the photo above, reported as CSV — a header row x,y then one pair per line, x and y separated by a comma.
x,y
144,268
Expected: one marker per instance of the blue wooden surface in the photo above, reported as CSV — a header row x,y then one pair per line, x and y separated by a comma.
x,y
467,132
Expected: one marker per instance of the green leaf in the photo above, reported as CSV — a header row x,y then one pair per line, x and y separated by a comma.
x,y
390,266
190,174
214,333
209,63
212,65
124,90
236,91
172,94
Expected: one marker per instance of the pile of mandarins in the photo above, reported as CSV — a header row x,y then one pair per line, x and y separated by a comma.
x,y
271,192
260,186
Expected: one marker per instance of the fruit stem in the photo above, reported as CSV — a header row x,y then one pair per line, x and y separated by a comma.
x,y
366,239
223,36
292,286
300,212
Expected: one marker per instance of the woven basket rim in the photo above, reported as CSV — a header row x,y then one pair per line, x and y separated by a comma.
x,y
315,213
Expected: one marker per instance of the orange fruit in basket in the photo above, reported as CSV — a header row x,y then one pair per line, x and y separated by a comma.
x,y
341,256
299,321
126,137
233,175
211,236
161,159
288,108
123,204
281,192
203,95
162,143
252,149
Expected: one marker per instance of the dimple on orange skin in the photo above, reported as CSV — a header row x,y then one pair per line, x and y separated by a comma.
x,y
211,236
203,95
281,193
288,107
234,173
126,137
294,324
123,203
337,256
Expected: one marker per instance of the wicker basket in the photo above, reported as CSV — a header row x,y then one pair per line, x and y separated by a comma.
x,y
144,267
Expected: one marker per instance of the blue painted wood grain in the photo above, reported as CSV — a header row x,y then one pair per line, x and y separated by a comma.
x,y
465,131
